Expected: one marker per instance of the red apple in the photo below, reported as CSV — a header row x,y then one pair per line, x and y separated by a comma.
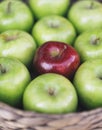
x,y
56,57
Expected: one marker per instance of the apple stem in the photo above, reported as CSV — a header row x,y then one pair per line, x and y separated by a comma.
x,y
10,38
51,91
53,25
56,54
91,5
95,41
9,7
61,52
2,70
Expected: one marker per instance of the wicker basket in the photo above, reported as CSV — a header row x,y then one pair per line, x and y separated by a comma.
x,y
16,119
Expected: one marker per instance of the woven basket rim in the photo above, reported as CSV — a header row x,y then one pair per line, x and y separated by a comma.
x,y
14,118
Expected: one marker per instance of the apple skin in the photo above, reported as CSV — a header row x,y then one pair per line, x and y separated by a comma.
x,y
56,57
54,27
15,15
88,83
42,8
50,93
89,45
86,15
14,77
18,44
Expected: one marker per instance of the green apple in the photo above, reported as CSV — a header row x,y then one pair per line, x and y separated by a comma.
x,y
14,77
88,83
89,44
86,15
50,93
15,15
53,27
42,8
19,44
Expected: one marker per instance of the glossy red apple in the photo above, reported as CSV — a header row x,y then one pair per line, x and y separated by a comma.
x,y
56,57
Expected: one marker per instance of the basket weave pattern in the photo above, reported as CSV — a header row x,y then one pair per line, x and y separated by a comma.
x,y
15,119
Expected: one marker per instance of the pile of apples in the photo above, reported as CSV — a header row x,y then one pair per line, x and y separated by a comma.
x,y
51,55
